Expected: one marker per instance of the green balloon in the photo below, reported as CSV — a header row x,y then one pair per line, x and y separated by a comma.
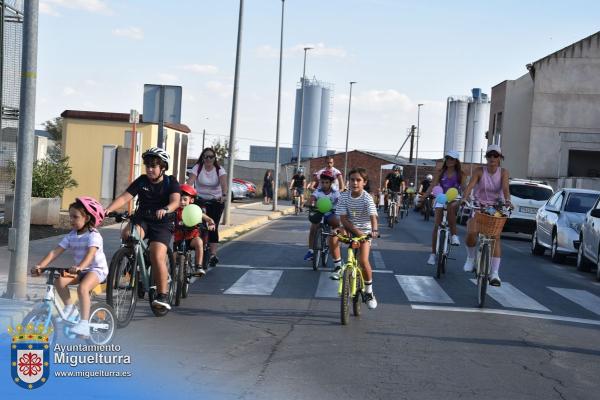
x,y
191,215
324,205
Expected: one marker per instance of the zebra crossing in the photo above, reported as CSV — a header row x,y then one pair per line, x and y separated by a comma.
x,y
416,289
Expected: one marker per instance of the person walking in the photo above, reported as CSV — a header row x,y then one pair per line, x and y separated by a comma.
x,y
268,187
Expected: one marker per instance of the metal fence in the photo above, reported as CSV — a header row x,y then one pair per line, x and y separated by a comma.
x,y
11,39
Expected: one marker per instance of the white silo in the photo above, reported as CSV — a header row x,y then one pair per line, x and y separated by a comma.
x,y
456,125
324,122
477,124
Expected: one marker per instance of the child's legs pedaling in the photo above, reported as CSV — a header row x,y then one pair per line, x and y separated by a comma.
x,y
89,281
127,229
334,243
311,234
158,258
61,284
198,246
363,258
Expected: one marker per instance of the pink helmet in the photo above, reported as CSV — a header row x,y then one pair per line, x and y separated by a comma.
x,y
94,208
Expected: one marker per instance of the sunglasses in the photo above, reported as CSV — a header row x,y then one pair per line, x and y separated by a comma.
x,y
449,158
209,157
492,155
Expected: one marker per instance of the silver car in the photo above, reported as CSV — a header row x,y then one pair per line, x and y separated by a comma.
x,y
589,246
558,222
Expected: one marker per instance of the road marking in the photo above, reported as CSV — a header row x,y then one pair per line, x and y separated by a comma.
x,y
582,297
382,271
327,287
507,312
423,289
242,266
256,282
511,297
378,260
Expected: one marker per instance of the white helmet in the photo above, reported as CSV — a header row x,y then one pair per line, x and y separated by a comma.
x,y
157,152
429,177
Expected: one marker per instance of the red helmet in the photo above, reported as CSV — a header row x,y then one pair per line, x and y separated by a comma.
x,y
94,208
327,175
187,189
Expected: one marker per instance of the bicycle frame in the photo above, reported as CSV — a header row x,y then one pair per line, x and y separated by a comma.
x,y
352,263
140,247
443,227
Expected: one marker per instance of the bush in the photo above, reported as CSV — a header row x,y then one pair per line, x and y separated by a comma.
x,y
50,177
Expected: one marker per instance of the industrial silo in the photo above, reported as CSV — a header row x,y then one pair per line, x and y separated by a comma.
x,y
456,125
324,121
477,124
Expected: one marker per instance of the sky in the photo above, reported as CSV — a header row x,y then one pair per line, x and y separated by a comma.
x,y
96,55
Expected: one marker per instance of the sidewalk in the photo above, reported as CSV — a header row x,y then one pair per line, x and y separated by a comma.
x,y
244,217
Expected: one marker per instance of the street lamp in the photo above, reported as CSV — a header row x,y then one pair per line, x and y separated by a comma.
x,y
418,136
302,109
348,132
278,111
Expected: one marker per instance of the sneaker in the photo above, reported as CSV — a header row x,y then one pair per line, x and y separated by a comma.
x,y
198,271
213,261
495,279
336,274
432,259
162,300
82,328
469,265
454,240
371,301
308,256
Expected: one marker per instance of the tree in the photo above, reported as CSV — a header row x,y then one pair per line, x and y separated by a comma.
x,y
221,150
55,128
50,177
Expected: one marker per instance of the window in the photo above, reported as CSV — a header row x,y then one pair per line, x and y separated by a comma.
x,y
559,200
580,202
552,200
584,163
530,192
498,129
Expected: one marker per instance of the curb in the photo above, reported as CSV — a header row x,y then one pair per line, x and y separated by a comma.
x,y
231,232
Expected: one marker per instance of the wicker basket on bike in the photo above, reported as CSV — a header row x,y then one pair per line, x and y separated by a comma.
x,y
489,225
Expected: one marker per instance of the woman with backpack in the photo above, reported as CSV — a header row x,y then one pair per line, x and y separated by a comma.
x,y
210,181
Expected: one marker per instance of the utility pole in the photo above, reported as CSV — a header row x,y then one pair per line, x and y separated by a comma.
x,y
412,143
19,232
302,110
226,218
418,136
276,188
348,133
203,137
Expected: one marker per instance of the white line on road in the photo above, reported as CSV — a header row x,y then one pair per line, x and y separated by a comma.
x,y
423,289
382,271
511,297
256,282
507,312
327,287
582,297
378,260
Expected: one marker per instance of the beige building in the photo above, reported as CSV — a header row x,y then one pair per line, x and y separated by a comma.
x,y
547,121
98,146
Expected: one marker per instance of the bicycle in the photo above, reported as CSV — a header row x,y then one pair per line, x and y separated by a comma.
x,y
320,243
427,209
296,201
204,203
442,245
352,284
101,320
404,206
489,227
392,209
130,276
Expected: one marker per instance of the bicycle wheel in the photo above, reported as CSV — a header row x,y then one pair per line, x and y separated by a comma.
x,y
482,275
39,316
392,215
152,293
325,255
357,299
186,276
345,306
102,324
427,210
440,252
317,249
178,279
121,285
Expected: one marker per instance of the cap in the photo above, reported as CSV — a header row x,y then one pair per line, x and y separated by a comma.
x,y
452,153
494,147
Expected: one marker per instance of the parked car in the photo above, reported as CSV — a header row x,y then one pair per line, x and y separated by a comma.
x,y
249,185
558,222
588,250
526,197
238,191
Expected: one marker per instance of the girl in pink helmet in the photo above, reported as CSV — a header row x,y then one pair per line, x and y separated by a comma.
x,y
90,267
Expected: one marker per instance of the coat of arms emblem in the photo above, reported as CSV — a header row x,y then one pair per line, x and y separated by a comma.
x,y
30,356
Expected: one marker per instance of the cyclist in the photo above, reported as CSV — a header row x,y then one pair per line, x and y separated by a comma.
x,y
338,182
90,268
158,199
450,176
192,236
425,183
489,184
298,185
330,218
394,182
359,217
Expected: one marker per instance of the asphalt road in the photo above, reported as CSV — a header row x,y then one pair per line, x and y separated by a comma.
x,y
537,338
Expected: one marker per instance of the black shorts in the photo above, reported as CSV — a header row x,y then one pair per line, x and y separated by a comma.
x,y
155,231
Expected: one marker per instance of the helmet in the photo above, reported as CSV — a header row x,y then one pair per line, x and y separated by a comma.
x,y
187,189
157,152
452,153
327,175
300,170
94,208
397,168
429,177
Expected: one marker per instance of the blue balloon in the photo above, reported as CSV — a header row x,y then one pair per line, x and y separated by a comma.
x,y
441,199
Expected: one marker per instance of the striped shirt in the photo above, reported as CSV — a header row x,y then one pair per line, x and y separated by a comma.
x,y
358,209
80,244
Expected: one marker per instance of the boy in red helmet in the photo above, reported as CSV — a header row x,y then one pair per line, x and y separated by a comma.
x,y
188,194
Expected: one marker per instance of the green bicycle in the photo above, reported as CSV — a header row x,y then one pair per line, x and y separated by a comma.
x,y
352,284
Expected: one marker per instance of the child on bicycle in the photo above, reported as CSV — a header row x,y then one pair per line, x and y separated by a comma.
x,y
158,199
90,268
326,190
192,235
359,216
